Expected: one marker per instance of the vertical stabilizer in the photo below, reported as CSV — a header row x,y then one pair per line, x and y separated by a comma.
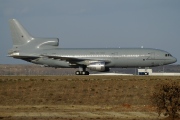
x,y
19,35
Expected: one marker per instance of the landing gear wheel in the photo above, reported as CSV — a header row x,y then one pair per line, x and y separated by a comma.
x,y
87,73
77,73
83,73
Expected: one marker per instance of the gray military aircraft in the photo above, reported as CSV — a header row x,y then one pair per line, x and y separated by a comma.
x,y
45,51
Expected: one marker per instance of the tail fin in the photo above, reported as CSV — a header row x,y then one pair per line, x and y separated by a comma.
x,y
19,35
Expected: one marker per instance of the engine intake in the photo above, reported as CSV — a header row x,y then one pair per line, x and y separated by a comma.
x,y
48,42
98,66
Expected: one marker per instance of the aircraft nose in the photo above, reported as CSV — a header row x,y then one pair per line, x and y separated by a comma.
x,y
174,60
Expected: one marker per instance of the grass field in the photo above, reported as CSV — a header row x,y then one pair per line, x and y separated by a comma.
x,y
79,97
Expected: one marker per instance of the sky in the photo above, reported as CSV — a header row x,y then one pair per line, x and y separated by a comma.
x,y
95,23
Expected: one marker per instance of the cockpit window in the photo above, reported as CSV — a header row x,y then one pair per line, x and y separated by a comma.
x,y
168,55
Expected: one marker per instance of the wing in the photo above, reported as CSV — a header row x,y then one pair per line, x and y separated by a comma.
x,y
75,60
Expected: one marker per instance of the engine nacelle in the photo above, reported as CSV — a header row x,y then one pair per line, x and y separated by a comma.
x,y
98,66
48,42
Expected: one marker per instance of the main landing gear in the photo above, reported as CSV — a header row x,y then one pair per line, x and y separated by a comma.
x,y
82,71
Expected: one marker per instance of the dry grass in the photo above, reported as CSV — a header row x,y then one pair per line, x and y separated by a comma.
x,y
112,93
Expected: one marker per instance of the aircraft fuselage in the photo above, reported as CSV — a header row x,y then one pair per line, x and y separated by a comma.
x,y
120,57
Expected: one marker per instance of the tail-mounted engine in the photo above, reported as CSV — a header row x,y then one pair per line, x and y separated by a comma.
x,y
47,42
98,66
